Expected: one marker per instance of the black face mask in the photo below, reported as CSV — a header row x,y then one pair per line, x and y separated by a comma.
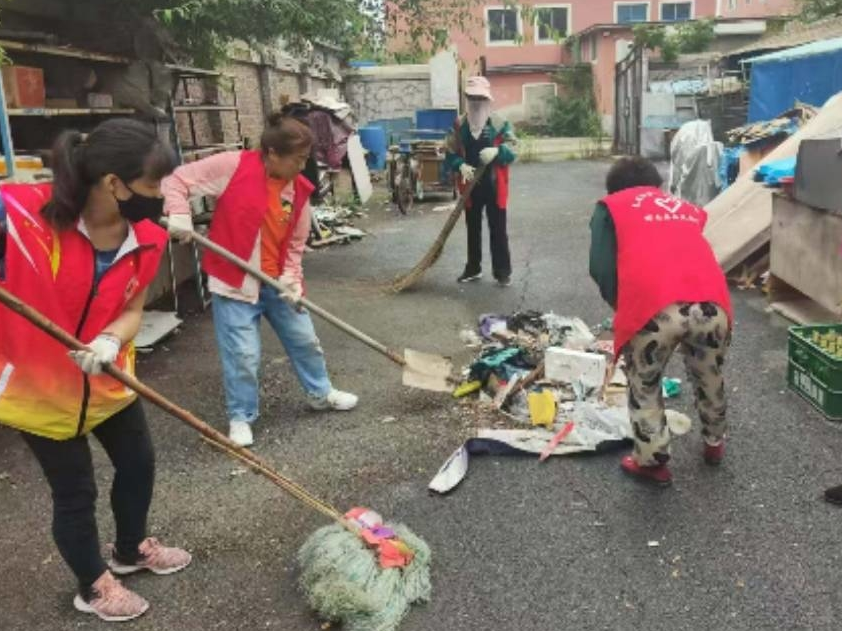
x,y
139,207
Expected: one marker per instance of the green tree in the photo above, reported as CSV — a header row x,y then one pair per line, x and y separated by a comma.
x,y
204,28
812,10
686,37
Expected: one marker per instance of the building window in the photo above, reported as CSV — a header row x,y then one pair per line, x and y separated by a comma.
x,y
676,11
628,13
503,25
732,5
552,23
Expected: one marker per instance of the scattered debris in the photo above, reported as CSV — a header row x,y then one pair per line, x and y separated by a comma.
x,y
538,384
671,388
334,224
654,544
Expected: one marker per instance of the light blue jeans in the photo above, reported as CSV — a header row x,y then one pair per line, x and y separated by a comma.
x,y
237,327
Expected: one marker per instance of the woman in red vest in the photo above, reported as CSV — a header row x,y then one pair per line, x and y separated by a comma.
x,y
655,268
83,253
262,214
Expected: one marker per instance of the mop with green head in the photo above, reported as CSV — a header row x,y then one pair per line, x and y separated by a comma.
x,y
360,570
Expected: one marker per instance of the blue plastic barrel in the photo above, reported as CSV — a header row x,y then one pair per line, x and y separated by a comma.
x,y
435,119
373,139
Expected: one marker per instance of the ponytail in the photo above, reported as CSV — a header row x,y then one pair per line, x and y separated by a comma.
x,y
70,190
124,147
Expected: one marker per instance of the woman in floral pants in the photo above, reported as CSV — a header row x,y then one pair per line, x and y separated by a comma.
x,y
655,268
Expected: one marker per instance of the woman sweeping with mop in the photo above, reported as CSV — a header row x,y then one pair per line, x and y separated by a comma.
x,y
84,253
262,215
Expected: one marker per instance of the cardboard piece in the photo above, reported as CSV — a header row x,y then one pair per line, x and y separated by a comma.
x,y
362,177
740,218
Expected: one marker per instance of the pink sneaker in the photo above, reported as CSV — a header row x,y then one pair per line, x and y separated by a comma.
x,y
154,557
111,601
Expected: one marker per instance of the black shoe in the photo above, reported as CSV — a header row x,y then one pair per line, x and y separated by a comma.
x,y
504,281
468,277
834,495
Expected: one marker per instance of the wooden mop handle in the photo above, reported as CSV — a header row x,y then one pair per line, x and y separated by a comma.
x,y
273,282
214,436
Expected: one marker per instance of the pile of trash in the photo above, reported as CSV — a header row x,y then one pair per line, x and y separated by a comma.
x,y
333,224
554,381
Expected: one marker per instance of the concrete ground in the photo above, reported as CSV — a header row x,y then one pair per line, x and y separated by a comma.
x,y
518,546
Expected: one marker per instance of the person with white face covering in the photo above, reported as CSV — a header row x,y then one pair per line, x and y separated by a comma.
x,y
480,137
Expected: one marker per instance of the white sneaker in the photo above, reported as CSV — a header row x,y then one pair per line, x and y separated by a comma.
x,y
335,400
240,433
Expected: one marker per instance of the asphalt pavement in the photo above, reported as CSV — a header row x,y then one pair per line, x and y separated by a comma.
x,y
568,544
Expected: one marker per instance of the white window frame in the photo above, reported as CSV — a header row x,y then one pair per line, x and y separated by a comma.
x,y
551,40
692,4
504,42
617,6
532,85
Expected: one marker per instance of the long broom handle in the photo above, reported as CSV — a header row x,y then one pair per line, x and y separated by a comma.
x,y
215,437
314,308
432,255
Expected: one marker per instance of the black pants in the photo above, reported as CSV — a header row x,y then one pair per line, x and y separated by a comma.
x,y
69,470
486,199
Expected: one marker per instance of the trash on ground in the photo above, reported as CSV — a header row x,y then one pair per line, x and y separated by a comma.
x,y
332,225
542,382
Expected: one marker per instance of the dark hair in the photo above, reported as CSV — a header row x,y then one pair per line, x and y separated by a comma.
x,y
127,148
285,134
631,172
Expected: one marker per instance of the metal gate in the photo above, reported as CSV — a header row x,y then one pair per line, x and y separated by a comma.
x,y
628,91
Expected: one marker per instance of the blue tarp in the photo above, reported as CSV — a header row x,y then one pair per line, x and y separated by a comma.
x,y
772,172
811,74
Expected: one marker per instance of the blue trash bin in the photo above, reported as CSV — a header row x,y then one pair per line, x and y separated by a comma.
x,y
373,139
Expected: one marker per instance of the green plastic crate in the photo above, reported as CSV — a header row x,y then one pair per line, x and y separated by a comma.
x,y
824,366
815,373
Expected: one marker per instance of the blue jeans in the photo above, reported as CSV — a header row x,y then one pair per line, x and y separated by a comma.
x,y
237,327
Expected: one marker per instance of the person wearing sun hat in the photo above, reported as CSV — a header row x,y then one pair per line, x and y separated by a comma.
x,y
481,137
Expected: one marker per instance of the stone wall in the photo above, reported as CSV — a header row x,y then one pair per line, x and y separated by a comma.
x,y
387,92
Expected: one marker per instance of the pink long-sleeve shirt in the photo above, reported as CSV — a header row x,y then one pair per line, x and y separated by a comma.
x,y
210,177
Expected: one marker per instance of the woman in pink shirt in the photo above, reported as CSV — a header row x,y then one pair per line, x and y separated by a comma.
x,y
262,214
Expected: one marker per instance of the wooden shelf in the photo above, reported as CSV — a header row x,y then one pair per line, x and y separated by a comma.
x,y
178,109
62,51
46,112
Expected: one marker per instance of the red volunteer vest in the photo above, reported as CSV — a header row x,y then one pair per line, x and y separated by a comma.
x,y
239,214
41,390
662,258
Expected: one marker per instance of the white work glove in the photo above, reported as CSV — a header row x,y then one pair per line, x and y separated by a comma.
x,y
488,154
180,226
293,292
467,172
103,350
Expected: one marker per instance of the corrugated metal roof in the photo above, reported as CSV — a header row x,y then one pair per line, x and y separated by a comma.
x,y
795,33
807,50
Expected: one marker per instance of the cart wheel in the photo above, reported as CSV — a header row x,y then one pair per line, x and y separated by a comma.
x,y
404,193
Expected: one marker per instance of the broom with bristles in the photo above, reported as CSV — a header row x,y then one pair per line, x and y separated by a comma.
x,y
433,254
344,578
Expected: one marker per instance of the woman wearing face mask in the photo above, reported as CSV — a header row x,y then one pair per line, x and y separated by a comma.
x,y
262,215
480,137
83,252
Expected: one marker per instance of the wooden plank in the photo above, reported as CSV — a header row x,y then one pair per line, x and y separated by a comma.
x,y
740,219
362,178
805,251
62,51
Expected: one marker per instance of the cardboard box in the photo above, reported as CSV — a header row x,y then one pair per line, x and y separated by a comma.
x,y
62,104
24,87
565,366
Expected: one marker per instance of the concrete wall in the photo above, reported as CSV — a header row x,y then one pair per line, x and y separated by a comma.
x,y
386,92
